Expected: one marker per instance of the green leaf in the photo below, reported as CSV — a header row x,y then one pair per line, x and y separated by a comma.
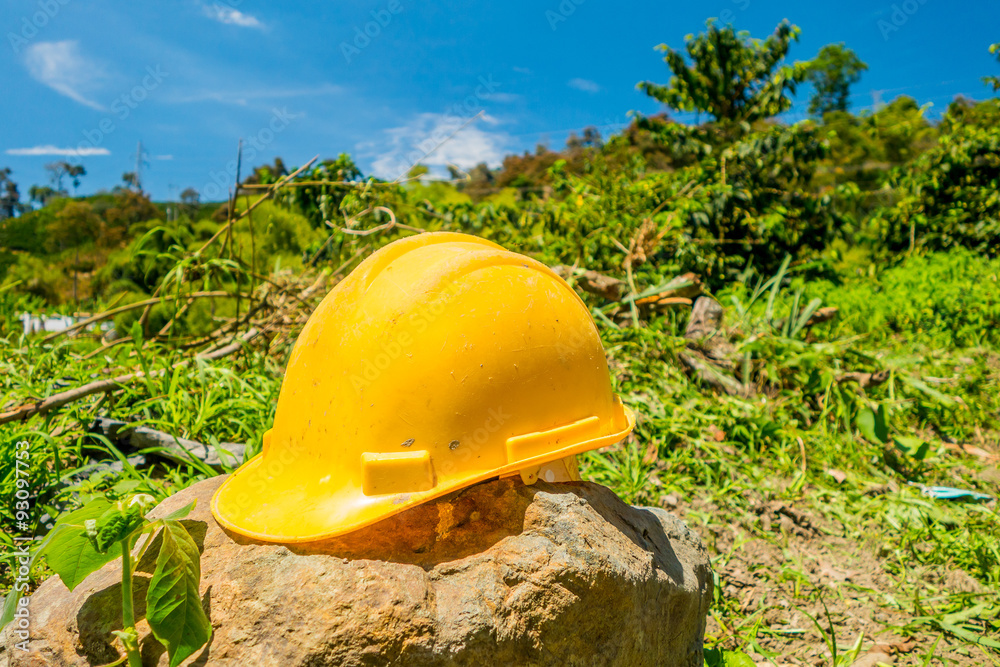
x,y
968,635
180,513
922,386
173,605
10,606
67,551
913,447
872,424
717,657
865,422
136,333
71,555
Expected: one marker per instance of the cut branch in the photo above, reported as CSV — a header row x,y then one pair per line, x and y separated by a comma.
x,y
56,401
132,306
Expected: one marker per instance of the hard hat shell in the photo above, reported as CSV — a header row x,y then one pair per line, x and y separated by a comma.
x,y
441,361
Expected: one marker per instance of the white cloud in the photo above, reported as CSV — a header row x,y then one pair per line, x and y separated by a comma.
x,y
243,97
63,68
437,140
49,149
585,85
231,16
163,157
503,98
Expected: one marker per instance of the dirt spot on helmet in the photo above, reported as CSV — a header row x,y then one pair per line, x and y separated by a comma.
x,y
453,445
407,442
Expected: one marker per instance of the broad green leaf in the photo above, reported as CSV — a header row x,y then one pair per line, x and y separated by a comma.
x,y
922,386
71,555
9,607
67,551
881,424
173,605
866,424
968,635
964,615
915,448
180,513
872,424
722,658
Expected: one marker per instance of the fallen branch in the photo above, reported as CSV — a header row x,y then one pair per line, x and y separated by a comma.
x,y
227,228
100,386
393,223
705,371
682,289
824,314
593,282
171,447
133,306
705,320
864,380
267,195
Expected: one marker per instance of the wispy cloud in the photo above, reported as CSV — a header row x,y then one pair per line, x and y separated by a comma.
x,y
163,157
437,140
63,68
49,149
231,16
501,97
586,85
244,97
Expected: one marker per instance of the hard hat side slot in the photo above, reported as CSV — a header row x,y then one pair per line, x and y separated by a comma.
x,y
403,472
539,443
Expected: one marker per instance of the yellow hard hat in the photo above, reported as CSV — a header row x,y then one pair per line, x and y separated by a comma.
x,y
441,361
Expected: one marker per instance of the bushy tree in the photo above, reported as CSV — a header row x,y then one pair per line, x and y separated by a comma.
x,y
994,81
320,202
75,172
266,173
190,197
832,73
730,75
41,194
57,172
131,181
74,225
10,197
949,195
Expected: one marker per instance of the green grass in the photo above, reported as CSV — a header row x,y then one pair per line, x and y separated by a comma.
x,y
811,526
931,566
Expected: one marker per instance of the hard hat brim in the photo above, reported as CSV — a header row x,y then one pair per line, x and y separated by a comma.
x,y
265,505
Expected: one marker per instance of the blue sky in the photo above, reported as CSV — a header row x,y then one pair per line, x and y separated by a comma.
x,y
189,78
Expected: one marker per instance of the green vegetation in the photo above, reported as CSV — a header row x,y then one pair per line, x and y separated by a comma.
x,y
800,455
86,539
731,77
833,72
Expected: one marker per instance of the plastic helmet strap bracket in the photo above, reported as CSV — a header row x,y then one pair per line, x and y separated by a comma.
x,y
561,470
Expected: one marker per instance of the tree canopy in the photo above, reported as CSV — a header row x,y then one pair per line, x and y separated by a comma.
x,y
731,76
832,73
994,81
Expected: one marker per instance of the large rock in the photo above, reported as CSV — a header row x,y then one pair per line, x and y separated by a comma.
x,y
498,574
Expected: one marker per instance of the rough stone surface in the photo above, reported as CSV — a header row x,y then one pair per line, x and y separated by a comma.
x,y
498,574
